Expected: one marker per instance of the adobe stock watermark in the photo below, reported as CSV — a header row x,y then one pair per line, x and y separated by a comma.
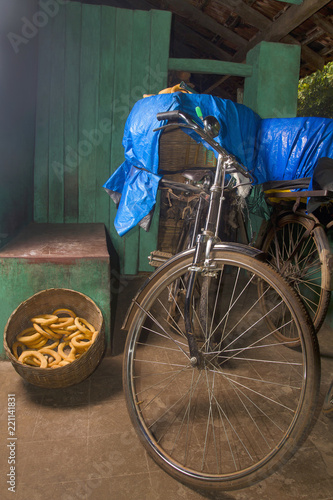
x,y
91,139
102,469
30,27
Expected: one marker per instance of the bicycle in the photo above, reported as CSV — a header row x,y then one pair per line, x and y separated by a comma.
x,y
216,399
295,242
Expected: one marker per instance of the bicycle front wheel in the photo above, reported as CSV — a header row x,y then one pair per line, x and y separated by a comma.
x,y
245,410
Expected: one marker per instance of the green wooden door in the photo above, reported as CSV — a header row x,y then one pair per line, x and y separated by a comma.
x,y
95,62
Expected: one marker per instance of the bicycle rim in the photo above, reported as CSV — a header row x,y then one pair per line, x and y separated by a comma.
x,y
245,412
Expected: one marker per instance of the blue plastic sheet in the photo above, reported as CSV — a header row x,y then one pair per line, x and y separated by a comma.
x,y
271,149
289,148
136,180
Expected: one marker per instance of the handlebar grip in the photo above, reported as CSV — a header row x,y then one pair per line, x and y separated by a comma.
x,y
168,115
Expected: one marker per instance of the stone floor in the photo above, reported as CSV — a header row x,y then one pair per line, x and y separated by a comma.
x,y
78,443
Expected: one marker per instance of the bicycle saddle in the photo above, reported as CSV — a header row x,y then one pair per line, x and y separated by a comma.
x,y
196,175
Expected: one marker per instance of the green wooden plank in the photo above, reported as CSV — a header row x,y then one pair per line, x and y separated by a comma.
x,y
159,49
107,106
139,71
140,55
158,72
56,130
103,151
41,169
121,102
210,66
88,112
71,101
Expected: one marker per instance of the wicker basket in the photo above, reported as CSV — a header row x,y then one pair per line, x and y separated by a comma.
x,y
177,151
45,302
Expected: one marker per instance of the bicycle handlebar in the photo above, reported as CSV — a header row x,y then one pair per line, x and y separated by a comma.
x,y
173,118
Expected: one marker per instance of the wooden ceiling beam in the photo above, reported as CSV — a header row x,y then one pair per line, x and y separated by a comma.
x,y
292,18
324,24
193,38
247,13
309,56
194,15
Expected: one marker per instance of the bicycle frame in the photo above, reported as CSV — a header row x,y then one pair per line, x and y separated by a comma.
x,y
204,245
206,240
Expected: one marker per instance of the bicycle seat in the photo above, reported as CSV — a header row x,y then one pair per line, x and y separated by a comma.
x,y
196,175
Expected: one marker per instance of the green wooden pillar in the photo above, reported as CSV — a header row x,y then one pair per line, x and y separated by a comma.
x,y
271,90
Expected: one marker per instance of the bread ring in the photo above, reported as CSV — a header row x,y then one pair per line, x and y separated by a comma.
x,y
54,345
64,362
28,330
44,319
58,333
69,336
62,324
53,353
89,329
46,332
67,357
80,345
32,362
68,312
35,355
15,346
72,328
38,344
28,339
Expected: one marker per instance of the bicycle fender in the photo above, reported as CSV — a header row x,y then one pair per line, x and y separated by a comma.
x,y
230,247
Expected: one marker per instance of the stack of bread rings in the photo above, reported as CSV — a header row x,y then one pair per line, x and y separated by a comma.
x,y
54,340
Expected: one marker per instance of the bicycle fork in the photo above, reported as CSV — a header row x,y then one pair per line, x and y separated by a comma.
x,y
202,257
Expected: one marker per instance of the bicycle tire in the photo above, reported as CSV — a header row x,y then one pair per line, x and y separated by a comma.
x,y
308,272
245,412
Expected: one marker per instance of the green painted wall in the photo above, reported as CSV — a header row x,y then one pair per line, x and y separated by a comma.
x,y
95,62
272,88
18,64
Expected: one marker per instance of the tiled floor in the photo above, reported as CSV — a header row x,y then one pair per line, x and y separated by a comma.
x,y
78,443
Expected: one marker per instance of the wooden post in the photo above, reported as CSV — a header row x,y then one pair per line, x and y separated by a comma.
x,y
272,88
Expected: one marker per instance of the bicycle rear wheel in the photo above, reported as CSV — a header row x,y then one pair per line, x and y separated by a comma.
x,y
246,409
303,262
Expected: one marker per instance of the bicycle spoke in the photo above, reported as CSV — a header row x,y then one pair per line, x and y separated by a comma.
x,y
232,410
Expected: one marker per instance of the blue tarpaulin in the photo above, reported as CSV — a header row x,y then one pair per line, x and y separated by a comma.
x,y
289,148
271,149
